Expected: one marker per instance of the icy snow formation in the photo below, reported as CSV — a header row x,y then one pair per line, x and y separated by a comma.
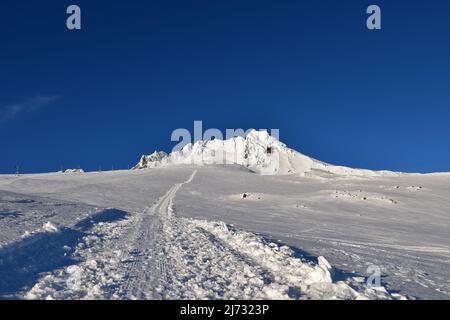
x,y
258,151
154,160
74,171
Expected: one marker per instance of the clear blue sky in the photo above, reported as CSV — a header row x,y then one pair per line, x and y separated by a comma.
x,y
139,69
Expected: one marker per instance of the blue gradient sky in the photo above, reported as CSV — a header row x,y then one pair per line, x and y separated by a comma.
x,y
139,69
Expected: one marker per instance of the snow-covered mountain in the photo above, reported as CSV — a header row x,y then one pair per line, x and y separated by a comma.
x,y
314,231
258,151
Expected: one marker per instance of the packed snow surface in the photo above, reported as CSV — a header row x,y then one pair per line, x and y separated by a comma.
x,y
184,231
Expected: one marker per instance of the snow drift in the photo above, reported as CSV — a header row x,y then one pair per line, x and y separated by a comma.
x,y
258,151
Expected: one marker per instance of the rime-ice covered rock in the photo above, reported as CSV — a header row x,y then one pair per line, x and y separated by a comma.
x,y
156,159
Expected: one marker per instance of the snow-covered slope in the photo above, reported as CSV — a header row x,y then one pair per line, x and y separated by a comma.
x,y
259,152
187,232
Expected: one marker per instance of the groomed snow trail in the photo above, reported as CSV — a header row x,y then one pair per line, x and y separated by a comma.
x,y
179,258
157,255
150,265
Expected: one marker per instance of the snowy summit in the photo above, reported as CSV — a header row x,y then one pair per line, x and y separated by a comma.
x,y
258,151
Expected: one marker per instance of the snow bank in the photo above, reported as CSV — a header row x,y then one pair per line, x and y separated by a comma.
x,y
50,227
287,276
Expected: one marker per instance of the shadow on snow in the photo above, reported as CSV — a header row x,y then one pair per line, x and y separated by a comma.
x,y
23,263
336,273
10,214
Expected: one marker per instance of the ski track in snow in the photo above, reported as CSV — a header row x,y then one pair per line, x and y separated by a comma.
x,y
149,262
157,255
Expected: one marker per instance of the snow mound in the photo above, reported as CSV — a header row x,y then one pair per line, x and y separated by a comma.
x,y
258,151
50,227
74,171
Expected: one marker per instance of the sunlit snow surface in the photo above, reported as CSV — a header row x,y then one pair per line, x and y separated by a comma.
x,y
220,232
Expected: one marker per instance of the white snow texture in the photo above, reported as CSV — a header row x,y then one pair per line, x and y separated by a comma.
x,y
187,226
